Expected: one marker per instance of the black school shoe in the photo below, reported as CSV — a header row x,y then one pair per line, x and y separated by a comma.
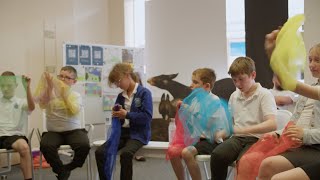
x,y
64,175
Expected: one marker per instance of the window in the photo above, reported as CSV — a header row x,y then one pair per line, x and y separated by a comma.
x,y
235,14
134,15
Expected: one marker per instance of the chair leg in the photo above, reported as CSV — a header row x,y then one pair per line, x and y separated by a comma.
x,y
40,167
9,162
206,170
32,167
231,171
8,166
88,167
3,177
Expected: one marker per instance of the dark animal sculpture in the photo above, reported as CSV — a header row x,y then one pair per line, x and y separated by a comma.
x,y
162,107
222,88
176,89
167,108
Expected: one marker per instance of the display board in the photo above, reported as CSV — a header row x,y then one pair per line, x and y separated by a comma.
x,y
93,63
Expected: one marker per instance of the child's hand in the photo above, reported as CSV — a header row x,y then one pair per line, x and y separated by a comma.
x,y
294,132
270,42
116,107
179,102
272,134
121,114
26,81
220,136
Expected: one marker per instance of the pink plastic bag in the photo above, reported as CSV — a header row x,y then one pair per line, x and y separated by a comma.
x,y
177,144
249,164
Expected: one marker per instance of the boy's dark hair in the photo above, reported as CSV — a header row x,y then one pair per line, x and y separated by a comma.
x,y
242,65
70,69
206,75
8,73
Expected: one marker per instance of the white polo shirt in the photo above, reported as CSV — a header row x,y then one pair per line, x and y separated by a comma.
x,y
127,103
59,118
252,110
293,96
13,116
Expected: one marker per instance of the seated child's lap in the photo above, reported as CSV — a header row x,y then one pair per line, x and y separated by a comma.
x,y
205,147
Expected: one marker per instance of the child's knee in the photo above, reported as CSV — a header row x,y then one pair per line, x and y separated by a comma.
x,y
188,152
23,149
266,163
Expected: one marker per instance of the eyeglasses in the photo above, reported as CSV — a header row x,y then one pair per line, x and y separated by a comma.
x,y
61,77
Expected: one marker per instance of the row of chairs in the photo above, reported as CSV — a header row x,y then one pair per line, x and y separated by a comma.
x,y
282,118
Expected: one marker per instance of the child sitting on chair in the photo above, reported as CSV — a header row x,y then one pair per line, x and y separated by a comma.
x,y
14,118
62,107
203,78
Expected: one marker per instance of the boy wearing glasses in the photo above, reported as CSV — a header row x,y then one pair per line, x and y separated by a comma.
x,y
63,107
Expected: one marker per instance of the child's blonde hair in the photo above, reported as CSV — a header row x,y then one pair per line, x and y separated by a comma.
x,y
242,65
119,70
206,75
316,47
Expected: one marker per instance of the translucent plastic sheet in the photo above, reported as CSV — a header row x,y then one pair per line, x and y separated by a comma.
x,y
14,105
177,144
200,115
289,55
111,147
203,115
53,94
268,145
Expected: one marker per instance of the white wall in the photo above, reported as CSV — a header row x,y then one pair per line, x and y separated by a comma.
x,y
23,47
183,35
311,30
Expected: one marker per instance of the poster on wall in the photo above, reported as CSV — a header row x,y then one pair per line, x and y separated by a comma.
x,y
93,74
112,56
97,56
85,55
108,102
93,89
81,73
93,63
72,54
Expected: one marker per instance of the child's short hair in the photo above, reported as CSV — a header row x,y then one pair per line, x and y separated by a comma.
x,y
70,69
242,65
119,70
7,73
206,75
